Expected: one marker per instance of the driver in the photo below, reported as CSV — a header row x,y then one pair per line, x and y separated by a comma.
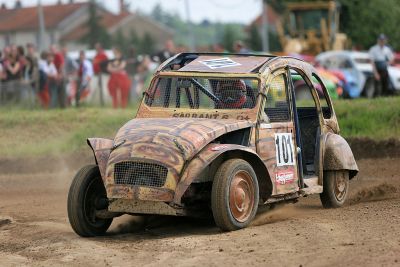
x,y
232,93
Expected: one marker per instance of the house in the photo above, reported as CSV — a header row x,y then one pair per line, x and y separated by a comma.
x,y
273,19
66,24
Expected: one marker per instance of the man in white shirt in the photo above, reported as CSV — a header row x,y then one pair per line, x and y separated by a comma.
x,y
85,74
381,56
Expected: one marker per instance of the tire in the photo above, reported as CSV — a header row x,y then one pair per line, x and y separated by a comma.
x,y
86,195
234,176
336,188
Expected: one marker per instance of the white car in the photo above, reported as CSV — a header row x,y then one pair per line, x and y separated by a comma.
x,y
357,67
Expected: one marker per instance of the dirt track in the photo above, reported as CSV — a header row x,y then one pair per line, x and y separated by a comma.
x,y
34,229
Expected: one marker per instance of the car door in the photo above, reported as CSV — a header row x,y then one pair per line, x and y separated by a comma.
x,y
276,143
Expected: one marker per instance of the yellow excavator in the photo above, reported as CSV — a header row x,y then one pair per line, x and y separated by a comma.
x,y
311,28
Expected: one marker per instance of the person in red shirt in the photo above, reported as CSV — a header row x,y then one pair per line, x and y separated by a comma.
x,y
100,58
60,83
119,83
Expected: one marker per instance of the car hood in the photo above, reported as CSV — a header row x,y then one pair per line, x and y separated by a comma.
x,y
169,141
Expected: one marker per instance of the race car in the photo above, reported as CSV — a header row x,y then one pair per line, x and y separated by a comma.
x,y
358,71
217,135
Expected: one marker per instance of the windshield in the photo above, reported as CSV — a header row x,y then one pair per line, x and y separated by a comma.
x,y
303,20
203,93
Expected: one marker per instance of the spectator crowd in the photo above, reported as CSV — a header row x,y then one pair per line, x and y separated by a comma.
x,y
56,80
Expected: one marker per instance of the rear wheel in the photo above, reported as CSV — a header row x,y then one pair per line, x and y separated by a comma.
x,y
336,187
234,197
86,196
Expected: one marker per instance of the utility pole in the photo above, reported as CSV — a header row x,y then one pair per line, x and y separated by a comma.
x,y
264,26
42,29
192,43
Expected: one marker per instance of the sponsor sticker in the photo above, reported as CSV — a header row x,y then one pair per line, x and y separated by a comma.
x,y
284,177
217,63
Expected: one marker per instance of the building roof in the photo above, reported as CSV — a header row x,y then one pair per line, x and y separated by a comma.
x,y
26,18
108,20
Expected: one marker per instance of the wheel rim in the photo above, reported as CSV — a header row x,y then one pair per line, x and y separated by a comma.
x,y
241,196
340,187
94,192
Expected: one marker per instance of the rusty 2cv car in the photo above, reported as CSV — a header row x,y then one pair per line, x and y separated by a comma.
x,y
218,134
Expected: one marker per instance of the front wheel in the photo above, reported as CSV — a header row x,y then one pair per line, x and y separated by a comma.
x,y
86,196
336,187
234,196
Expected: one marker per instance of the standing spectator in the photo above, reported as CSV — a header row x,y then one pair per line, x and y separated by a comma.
x,y
239,47
32,68
166,53
99,59
70,75
219,48
119,82
381,55
12,68
85,74
50,81
59,82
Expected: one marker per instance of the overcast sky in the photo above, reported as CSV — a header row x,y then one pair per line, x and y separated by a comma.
x,y
243,11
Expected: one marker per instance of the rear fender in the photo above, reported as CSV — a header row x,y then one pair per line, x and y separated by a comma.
x,y
337,155
218,153
101,148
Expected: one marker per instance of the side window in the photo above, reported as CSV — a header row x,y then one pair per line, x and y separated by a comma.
x,y
277,107
304,97
321,89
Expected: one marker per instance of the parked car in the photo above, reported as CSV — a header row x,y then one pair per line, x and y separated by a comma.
x,y
358,71
216,134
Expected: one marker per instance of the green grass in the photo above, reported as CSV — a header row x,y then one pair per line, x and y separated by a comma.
x,y
44,132
50,132
377,118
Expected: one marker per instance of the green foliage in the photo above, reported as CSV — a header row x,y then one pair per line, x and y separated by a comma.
x,y
96,32
229,37
206,33
144,45
363,21
254,40
121,41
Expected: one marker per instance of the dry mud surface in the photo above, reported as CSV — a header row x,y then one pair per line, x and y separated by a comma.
x,y
34,229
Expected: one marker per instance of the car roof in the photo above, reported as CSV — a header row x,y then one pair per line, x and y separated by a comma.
x,y
345,53
216,63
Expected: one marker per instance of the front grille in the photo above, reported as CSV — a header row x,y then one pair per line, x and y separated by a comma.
x,y
140,173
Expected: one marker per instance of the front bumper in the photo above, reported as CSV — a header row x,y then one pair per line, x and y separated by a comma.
x,y
115,191
143,207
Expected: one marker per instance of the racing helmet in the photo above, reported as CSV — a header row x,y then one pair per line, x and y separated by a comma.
x,y
231,93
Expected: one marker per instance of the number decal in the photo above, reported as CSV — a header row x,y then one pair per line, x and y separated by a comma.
x,y
284,149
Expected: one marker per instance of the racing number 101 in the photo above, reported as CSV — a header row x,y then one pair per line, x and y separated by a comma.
x,y
284,149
